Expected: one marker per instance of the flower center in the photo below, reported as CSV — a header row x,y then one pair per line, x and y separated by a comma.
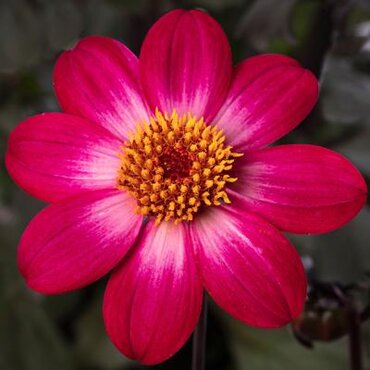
x,y
175,165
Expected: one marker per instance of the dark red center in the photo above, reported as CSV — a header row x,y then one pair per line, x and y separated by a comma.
x,y
176,163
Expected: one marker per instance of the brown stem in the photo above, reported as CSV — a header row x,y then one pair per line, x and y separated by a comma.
x,y
354,332
355,345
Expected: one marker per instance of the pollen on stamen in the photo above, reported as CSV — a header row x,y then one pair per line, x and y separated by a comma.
x,y
175,165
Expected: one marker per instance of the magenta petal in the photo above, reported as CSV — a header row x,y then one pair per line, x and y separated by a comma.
x,y
249,268
153,300
185,63
55,155
69,245
98,80
300,188
269,96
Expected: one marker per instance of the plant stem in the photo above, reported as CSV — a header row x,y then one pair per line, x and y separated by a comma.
x,y
355,319
199,339
355,347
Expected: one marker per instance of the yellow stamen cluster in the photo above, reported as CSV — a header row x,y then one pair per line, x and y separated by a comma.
x,y
174,165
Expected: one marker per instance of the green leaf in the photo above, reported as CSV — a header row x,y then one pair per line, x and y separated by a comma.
x,y
93,347
257,349
29,340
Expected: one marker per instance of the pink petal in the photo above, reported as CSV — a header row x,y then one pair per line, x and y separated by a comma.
x,y
98,80
69,245
55,155
153,300
185,63
269,96
249,268
301,188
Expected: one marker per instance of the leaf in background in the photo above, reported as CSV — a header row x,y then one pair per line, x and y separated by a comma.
x,y
258,349
29,340
29,31
345,102
93,348
110,17
344,255
345,91
219,5
63,22
20,32
266,20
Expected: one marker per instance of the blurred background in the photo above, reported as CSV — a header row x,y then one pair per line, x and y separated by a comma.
x,y
330,37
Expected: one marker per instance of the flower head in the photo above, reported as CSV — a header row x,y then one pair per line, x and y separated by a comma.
x,y
174,166
166,156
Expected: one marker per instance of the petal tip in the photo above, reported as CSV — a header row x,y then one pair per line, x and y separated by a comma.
x,y
312,82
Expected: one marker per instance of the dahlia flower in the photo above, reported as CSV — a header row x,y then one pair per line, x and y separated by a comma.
x,y
159,168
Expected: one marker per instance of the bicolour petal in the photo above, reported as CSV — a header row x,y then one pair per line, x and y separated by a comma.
x,y
153,299
300,188
269,96
55,155
249,268
99,80
185,64
71,244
